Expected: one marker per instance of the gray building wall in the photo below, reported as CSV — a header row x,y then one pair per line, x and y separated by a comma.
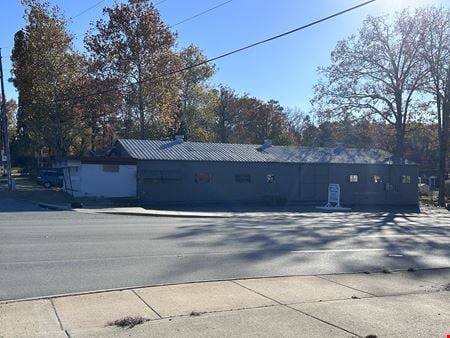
x,y
203,182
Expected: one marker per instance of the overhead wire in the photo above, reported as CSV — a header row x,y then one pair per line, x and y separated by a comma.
x,y
179,70
201,13
100,2
85,11
156,4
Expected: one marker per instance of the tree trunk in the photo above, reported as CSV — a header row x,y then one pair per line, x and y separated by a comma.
x,y
443,150
399,127
400,142
141,106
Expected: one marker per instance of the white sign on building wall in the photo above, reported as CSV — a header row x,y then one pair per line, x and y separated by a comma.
x,y
334,198
334,194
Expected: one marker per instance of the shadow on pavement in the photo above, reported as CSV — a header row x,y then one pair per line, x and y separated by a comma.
x,y
404,239
233,207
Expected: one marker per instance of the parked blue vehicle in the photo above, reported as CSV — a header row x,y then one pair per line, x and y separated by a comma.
x,y
50,178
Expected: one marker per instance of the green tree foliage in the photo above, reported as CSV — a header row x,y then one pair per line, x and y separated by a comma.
x,y
11,115
196,113
226,113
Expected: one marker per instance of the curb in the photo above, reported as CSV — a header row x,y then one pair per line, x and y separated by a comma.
x,y
81,293
155,214
52,206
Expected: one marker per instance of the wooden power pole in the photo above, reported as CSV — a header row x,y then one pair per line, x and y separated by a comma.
x,y
4,119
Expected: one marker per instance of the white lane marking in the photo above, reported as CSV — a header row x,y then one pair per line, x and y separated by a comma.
x,y
335,250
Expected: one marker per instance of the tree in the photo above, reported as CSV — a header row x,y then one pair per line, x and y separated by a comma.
x,y
259,120
44,70
435,51
135,49
377,74
11,115
195,115
101,113
226,113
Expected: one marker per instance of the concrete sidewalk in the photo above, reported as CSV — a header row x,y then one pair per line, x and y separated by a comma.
x,y
220,213
139,211
399,304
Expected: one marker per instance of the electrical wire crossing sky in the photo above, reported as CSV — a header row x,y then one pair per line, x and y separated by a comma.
x,y
284,69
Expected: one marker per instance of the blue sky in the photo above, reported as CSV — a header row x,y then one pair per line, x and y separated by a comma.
x,y
284,70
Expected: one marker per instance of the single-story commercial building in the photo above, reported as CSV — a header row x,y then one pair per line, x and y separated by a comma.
x,y
99,176
191,172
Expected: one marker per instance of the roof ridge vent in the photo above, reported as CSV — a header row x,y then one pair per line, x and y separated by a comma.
x,y
267,144
340,147
179,138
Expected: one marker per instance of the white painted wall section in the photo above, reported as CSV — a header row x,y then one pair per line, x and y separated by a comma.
x,y
96,181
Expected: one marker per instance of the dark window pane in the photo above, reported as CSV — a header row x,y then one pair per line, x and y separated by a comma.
x,y
242,178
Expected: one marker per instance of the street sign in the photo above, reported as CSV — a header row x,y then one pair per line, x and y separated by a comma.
x,y
4,158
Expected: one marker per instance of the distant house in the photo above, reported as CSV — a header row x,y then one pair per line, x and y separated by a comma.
x,y
99,176
192,172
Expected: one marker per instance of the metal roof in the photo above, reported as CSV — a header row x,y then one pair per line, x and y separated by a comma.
x,y
227,152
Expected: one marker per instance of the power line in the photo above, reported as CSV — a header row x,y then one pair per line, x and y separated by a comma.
x,y
200,14
98,3
87,9
156,4
222,55
189,18
74,16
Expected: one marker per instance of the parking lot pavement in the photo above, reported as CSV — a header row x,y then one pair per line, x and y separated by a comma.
x,y
302,306
15,205
27,193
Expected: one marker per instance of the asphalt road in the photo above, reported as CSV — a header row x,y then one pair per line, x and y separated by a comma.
x,y
47,252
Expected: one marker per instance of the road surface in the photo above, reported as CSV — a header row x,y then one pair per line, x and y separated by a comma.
x,y
50,252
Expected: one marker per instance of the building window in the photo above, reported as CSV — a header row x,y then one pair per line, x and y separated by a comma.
x,y
112,168
406,179
242,178
202,178
171,175
353,178
270,178
388,187
377,179
160,176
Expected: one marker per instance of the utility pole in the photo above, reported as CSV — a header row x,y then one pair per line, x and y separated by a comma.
x,y
4,119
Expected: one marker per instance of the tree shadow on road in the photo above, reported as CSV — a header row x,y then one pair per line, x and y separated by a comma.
x,y
403,239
